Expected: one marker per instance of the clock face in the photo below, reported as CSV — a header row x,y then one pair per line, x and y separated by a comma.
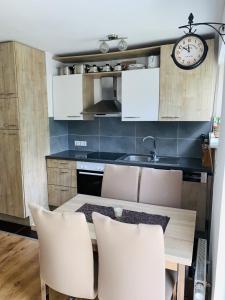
x,y
189,52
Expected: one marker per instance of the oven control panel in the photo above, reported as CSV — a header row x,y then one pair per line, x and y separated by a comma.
x,y
90,166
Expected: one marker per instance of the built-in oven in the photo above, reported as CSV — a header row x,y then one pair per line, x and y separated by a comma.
x,y
89,178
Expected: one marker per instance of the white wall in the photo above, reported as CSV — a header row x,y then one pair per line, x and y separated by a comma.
x,y
217,242
217,236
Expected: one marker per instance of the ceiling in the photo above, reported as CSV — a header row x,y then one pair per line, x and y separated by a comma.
x,y
70,26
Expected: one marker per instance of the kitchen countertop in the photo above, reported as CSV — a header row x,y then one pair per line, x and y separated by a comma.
x,y
185,164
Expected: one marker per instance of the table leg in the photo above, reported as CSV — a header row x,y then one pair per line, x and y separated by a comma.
x,y
180,282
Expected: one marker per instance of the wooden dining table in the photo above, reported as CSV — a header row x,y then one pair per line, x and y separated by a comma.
x,y
179,233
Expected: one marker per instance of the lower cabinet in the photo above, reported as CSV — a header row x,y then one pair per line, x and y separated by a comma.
x,y
195,197
11,184
62,181
57,194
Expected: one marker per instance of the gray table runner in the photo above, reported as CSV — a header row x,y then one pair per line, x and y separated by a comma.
x,y
128,216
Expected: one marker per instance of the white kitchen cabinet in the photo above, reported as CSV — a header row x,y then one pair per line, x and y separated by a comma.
x,y
71,95
140,95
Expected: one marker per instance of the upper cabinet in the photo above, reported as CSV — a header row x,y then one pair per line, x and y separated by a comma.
x,y
71,94
8,84
140,95
187,95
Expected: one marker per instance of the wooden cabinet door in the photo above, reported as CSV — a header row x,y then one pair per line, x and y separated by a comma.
x,y
11,177
8,84
64,177
3,182
140,95
9,113
57,195
186,95
194,197
68,97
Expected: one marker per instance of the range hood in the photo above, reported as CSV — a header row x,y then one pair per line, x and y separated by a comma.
x,y
109,106
104,107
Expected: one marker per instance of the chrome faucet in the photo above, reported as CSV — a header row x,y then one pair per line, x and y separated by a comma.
x,y
153,153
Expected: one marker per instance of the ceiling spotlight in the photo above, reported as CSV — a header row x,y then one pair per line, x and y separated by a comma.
x,y
122,45
104,47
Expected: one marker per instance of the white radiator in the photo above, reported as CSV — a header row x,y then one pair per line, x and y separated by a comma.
x,y
200,272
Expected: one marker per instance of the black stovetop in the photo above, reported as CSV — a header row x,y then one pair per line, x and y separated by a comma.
x,y
105,155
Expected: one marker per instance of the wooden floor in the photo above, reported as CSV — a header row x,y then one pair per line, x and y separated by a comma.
x,y
19,269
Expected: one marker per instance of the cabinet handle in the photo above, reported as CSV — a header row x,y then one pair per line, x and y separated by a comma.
x,y
10,125
168,117
65,190
63,163
64,172
73,116
132,117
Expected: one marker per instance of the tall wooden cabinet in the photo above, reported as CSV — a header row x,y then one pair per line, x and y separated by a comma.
x,y
24,139
186,95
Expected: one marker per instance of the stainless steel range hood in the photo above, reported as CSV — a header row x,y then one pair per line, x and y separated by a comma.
x,y
109,106
104,107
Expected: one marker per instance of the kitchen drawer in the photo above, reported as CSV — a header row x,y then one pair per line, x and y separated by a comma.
x,y
57,195
64,177
62,164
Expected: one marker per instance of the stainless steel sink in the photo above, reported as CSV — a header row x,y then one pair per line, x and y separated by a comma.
x,y
137,158
148,159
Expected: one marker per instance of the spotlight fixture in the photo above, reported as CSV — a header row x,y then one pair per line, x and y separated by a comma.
x,y
104,47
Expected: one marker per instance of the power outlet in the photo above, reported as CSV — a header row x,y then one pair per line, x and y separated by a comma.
x,y
83,143
80,143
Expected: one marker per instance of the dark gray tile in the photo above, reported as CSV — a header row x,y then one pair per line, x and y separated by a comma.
x,y
189,148
157,129
92,142
167,147
164,147
58,143
117,144
193,130
57,128
115,127
84,127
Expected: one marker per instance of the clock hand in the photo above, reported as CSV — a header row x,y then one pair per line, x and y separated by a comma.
x,y
185,49
189,48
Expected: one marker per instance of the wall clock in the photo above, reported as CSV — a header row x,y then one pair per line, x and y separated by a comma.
x,y
189,51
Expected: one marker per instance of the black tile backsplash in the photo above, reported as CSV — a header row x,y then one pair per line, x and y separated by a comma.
x,y
115,127
84,127
189,148
193,130
158,129
112,135
124,144
58,135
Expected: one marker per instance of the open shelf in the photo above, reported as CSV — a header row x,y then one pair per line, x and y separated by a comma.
x,y
104,74
132,53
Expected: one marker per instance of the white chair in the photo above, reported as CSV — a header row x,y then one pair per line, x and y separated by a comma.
x,y
66,256
131,261
120,182
161,187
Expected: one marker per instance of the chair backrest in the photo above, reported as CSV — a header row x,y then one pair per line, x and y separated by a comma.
x,y
66,256
120,182
131,260
161,187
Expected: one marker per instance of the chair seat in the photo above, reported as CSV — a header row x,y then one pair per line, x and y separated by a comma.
x,y
170,282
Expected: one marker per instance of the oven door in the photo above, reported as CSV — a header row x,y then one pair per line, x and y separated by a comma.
x,y
89,182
